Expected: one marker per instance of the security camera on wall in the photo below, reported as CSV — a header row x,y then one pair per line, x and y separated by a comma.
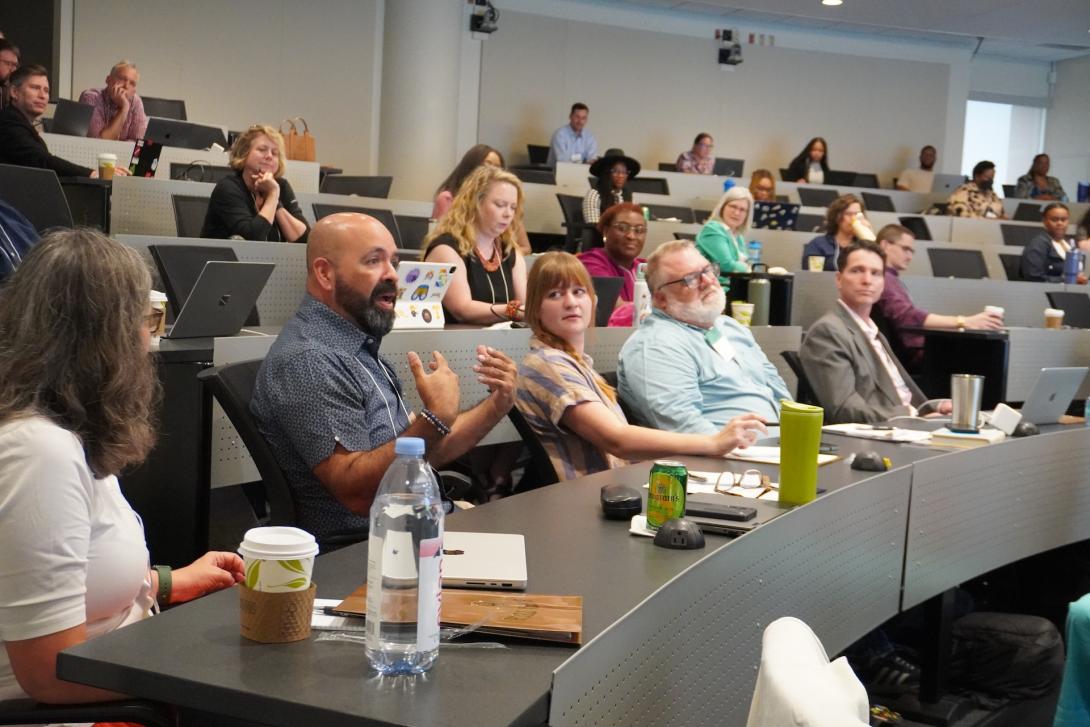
x,y
730,51
485,18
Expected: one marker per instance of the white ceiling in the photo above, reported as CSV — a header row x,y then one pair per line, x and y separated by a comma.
x,y
1047,30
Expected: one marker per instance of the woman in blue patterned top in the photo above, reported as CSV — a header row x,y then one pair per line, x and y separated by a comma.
x,y
570,407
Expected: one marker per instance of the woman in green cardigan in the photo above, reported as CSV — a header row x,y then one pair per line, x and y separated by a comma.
x,y
723,237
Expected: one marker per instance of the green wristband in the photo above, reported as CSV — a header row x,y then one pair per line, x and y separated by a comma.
x,y
162,597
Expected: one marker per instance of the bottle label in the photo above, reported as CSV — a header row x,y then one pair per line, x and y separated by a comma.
x,y
374,590
430,595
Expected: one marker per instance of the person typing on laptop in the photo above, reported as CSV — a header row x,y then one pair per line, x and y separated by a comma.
x,y
849,364
331,407
688,368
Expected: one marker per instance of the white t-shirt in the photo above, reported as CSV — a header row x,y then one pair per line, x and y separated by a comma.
x,y
73,549
816,175
916,180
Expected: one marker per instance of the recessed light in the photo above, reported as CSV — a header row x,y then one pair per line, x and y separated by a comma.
x,y
832,2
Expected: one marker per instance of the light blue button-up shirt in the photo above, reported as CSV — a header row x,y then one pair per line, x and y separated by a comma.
x,y
567,144
674,379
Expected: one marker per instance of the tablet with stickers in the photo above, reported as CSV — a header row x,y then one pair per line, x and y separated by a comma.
x,y
420,290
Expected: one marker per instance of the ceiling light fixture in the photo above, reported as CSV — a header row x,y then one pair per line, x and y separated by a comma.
x,y
832,2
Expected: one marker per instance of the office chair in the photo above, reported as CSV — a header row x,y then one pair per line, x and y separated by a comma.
x,y
1028,212
135,711
413,230
1010,190
233,387
684,236
179,267
378,187
664,211
606,290
878,202
918,226
610,377
1012,265
648,185
189,214
571,206
667,167
534,175
539,472
809,223
199,171
164,108
804,394
538,154
1018,235
37,194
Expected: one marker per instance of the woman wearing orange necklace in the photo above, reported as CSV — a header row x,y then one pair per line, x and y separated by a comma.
x,y
479,235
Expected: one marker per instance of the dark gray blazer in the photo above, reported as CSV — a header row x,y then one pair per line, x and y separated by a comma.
x,y
846,375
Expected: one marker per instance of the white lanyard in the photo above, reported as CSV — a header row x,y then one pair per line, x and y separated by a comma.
x,y
385,401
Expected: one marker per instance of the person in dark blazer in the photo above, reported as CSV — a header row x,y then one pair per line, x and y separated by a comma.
x,y
850,365
20,143
256,202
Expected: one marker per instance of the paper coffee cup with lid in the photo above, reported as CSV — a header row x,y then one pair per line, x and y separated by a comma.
x,y
278,559
107,162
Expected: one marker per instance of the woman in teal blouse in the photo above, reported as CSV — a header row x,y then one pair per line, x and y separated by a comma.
x,y
723,237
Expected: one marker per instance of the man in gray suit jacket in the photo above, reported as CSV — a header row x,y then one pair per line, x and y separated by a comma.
x,y
849,363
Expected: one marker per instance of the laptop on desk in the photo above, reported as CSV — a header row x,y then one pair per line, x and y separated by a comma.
x,y
221,300
484,560
1052,394
946,183
171,132
71,118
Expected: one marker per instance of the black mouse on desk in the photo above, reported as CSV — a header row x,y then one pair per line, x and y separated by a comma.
x,y
1025,429
680,534
620,502
870,462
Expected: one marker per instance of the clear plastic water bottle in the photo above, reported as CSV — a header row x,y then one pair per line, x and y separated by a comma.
x,y
754,248
405,550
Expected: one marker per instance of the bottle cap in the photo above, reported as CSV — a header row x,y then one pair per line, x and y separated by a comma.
x,y
413,446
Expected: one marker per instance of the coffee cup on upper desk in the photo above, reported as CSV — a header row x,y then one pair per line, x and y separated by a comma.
x,y
741,312
1054,318
815,263
106,165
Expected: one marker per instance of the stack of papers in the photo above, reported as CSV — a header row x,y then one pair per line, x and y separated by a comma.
x,y
770,455
886,434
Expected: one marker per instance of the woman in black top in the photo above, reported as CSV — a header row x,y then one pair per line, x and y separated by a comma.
x,y
256,203
1043,258
802,168
478,235
611,171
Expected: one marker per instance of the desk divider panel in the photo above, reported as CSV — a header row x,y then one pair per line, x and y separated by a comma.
x,y
1032,349
1024,303
813,295
984,231
410,208
144,207
973,511
689,653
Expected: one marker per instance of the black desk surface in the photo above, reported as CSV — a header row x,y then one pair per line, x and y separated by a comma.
x,y
194,655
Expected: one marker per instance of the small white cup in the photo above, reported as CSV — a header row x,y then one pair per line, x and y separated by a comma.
x,y
741,312
278,559
815,263
106,164
995,309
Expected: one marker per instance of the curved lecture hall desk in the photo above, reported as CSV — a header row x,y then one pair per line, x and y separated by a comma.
x,y
670,636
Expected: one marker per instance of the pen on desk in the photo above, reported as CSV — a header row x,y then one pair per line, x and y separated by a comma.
x,y
334,611
697,478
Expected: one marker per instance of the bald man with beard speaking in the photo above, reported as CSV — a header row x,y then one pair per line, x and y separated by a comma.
x,y
330,406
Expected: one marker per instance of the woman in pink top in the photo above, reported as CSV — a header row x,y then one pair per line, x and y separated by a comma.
x,y
624,233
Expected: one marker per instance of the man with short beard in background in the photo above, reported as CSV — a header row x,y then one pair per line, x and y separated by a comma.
x,y
331,407
688,367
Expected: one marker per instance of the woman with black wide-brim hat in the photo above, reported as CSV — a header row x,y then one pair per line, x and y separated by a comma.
x,y
612,171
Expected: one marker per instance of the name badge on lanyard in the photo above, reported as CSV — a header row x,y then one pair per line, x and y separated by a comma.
x,y
719,344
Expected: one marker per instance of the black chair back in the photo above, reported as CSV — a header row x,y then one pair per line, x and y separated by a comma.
x,y
785,175
189,214
179,267
1012,265
729,167
535,175
1028,212
667,167
952,262
878,202
684,236
199,171
233,387
804,394
648,185
132,711
413,230
868,180
1018,235
378,187
1009,190
606,290
918,226
812,197
538,154
809,223
164,108
571,206
37,194
386,217
542,470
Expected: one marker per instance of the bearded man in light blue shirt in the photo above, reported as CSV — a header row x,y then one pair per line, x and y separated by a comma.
x,y
688,368
573,142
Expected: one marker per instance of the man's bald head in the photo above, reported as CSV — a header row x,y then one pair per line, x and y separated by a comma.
x,y
352,269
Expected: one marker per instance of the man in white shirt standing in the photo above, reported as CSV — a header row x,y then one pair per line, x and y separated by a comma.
x,y
849,363
919,180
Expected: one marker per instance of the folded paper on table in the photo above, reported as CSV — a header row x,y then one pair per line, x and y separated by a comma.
x,y
520,615
868,431
770,455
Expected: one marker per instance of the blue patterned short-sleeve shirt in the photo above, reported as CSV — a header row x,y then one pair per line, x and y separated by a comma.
x,y
323,383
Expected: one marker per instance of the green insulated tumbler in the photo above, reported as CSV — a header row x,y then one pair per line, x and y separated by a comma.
x,y
800,437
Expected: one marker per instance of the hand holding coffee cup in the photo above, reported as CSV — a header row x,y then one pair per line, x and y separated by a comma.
x,y
1054,318
990,319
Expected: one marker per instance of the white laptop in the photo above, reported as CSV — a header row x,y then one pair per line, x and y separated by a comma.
x,y
1052,394
420,290
484,560
946,183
